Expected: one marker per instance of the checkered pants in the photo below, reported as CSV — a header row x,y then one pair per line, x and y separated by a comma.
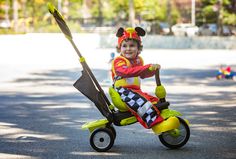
x,y
139,106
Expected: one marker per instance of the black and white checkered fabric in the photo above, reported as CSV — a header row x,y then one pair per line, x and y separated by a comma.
x,y
139,104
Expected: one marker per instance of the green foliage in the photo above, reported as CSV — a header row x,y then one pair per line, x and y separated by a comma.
x,y
229,19
153,11
36,15
212,9
75,9
120,8
175,15
9,31
44,26
209,2
108,12
208,11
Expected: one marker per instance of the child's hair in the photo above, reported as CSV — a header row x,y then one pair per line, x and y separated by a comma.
x,y
140,47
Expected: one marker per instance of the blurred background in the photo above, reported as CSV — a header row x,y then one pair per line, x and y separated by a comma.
x,y
161,17
41,113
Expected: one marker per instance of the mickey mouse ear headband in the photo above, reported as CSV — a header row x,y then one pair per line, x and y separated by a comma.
x,y
130,33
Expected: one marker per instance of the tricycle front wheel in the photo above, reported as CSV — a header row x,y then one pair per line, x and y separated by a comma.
x,y
102,139
176,138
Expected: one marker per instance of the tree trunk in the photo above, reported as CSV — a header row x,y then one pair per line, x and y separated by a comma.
x,y
131,13
65,9
6,10
100,16
168,13
15,15
24,15
219,18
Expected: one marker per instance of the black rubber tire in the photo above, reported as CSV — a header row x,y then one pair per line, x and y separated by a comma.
x,y
183,125
113,130
102,139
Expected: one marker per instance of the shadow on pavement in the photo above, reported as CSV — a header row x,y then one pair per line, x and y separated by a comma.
x,y
47,124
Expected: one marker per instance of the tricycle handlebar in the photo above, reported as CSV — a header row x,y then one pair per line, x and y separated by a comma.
x,y
157,77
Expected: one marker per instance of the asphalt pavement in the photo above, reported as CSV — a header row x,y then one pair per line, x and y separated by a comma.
x,y
41,113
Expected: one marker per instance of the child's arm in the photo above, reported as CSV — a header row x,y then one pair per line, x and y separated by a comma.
x,y
122,69
152,70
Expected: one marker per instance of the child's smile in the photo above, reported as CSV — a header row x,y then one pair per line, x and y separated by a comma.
x,y
129,49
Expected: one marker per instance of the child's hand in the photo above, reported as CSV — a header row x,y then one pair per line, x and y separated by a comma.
x,y
154,67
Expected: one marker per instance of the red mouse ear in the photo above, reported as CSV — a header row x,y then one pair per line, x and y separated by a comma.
x,y
120,32
140,31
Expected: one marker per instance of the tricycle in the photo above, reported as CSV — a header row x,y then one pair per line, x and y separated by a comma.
x,y
173,132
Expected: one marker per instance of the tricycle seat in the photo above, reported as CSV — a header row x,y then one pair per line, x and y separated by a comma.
x,y
117,101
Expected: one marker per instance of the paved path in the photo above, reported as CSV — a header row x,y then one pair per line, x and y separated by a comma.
x,y
41,113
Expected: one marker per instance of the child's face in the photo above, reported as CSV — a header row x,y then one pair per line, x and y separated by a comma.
x,y
129,49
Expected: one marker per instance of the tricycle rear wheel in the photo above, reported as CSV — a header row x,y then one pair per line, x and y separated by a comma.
x,y
176,138
111,127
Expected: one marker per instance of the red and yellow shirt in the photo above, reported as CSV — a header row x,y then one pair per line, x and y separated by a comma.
x,y
127,73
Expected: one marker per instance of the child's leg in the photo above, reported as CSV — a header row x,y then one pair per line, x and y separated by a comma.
x,y
140,106
150,98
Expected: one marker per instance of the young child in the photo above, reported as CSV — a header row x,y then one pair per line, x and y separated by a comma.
x,y
127,69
